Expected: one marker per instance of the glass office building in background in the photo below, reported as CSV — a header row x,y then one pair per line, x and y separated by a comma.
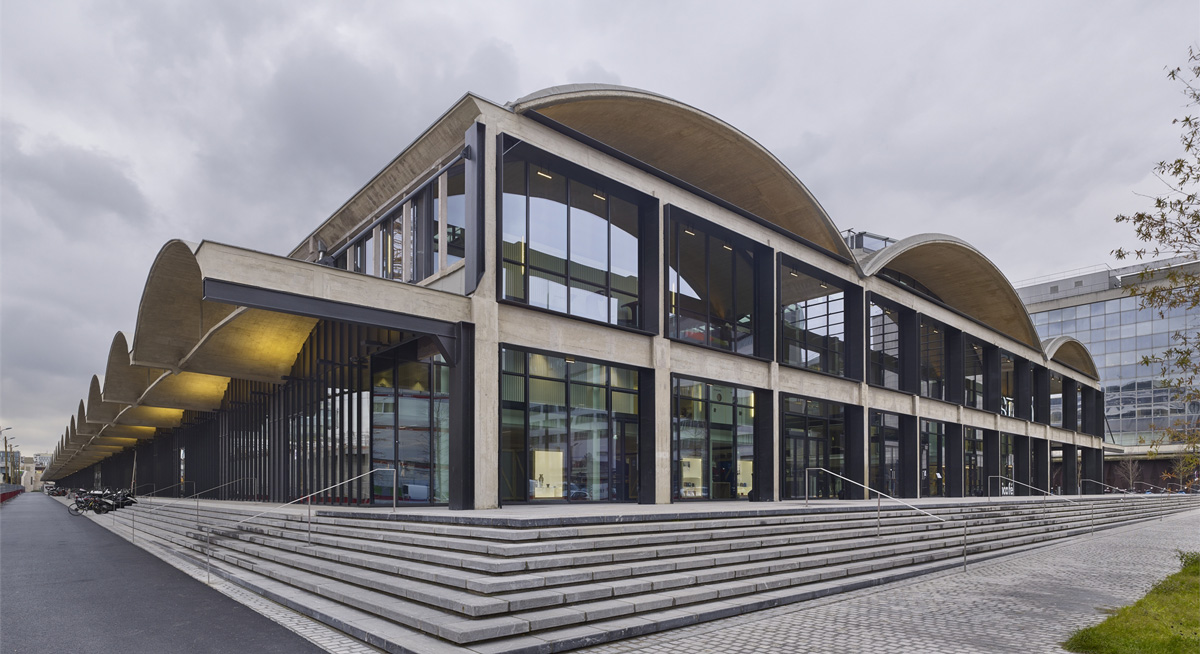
x,y
1094,306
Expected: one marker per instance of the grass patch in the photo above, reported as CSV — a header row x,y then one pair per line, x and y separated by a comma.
x,y
1165,621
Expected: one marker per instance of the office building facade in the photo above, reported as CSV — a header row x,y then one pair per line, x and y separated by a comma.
x,y
591,294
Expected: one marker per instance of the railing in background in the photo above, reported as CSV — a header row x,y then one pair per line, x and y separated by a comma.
x,y
879,507
1045,495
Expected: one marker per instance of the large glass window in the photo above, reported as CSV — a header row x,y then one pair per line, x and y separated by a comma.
x,y
933,359
1007,463
884,346
814,434
933,459
712,442
569,245
813,322
1008,384
972,374
568,429
410,428
711,287
973,462
885,452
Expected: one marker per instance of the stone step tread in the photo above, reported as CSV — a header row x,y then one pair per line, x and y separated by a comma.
x,y
457,580
682,524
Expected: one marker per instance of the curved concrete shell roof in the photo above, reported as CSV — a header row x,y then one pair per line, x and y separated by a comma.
x,y
1072,353
962,277
99,411
693,146
172,316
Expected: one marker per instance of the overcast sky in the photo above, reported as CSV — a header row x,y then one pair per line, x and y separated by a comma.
x,y
1021,127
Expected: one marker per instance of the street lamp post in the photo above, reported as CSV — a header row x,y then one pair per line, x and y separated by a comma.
x,y
7,458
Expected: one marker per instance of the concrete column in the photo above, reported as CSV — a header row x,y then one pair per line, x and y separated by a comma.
x,y
662,422
954,460
1041,395
1070,404
954,366
857,447
1021,464
1023,376
1070,475
647,443
991,378
991,461
462,427
1040,476
1093,470
910,461
765,458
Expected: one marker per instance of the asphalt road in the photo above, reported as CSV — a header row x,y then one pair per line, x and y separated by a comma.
x,y
70,586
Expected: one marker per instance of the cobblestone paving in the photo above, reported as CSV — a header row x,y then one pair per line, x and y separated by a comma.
x,y
1022,603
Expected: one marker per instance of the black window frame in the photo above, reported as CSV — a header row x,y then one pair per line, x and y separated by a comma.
x,y
647,236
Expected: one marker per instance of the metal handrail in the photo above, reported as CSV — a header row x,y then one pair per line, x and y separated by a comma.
x,y
879,507
310,495
150,484
1045,495
186,481
1119,490
1151,486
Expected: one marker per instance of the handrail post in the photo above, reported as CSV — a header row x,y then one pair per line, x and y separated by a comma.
x,y
806,488
310,519
395,488
878,515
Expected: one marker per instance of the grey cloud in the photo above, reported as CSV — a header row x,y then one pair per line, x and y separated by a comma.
x,y
68,185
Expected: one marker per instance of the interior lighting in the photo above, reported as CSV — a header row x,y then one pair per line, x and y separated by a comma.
x,y
824,285
727,248
570,359
544,175
599,197
689,232
794,274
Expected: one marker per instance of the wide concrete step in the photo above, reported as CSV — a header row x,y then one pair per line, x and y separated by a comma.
x,y
516,592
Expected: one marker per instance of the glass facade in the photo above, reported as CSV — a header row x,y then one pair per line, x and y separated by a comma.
x,y
711,286
884,452
883,355
933,359
569,245
973,377
410,428
569,429
712,440
932,459
812,322
973,467
814,436
1119,335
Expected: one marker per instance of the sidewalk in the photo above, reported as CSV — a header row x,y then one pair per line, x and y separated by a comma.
x,y
1023,603
69,585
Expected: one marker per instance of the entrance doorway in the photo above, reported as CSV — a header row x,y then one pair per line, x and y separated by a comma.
x,y
410,427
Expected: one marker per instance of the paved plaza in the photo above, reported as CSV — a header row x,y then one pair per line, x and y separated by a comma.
x,y
1027,603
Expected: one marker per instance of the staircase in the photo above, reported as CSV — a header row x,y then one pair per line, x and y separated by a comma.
x,y
437,581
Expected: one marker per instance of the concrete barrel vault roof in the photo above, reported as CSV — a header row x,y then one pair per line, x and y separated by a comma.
x,y
962,278
1072,353
693,146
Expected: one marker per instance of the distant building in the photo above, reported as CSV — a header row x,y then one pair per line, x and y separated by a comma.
x,y
1093,305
